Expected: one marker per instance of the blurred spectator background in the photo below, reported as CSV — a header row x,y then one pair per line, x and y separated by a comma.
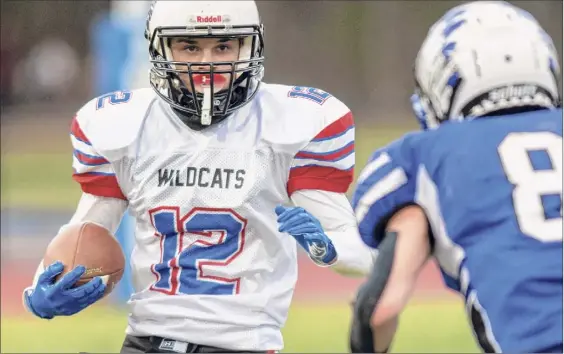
x,y
57,55
362,51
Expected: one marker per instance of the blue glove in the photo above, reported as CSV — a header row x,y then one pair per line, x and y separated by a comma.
x,y
50,298
307,231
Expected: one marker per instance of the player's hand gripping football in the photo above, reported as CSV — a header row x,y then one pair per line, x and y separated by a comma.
x,y
307,231
50,298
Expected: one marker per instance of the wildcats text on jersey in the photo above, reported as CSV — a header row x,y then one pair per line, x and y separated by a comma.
x,y
223,178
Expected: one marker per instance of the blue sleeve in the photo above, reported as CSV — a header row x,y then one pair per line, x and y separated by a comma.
x,y
385,185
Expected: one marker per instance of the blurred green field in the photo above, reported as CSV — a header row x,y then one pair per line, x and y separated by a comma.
x,y
424,328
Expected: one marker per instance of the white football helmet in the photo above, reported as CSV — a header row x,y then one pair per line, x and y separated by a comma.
x,y
484,58
205,19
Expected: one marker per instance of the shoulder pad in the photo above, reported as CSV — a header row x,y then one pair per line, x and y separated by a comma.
x,y
307,111
112,121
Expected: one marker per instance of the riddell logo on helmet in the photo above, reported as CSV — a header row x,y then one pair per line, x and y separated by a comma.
x,y
210,19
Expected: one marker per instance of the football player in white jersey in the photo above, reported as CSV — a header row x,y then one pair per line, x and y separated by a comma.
x,y
224,176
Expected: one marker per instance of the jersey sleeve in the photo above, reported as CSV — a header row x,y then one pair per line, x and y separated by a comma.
x,y
385,185
91,170
327,161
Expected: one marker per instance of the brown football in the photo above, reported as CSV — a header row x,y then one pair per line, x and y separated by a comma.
x,y
92,246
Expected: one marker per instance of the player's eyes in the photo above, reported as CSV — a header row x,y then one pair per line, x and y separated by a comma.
x,y
223,47
190,48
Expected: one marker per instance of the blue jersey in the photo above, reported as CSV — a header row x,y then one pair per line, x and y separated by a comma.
x,y
492,192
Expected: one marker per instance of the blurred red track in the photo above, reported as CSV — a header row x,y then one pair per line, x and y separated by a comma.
x,y
314,284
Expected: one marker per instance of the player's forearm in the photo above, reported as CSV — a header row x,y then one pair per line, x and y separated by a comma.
x,y
411,252
334,212
106,212
354,257
384,334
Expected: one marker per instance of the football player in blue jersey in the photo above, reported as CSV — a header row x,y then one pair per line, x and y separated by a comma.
x,y
479,189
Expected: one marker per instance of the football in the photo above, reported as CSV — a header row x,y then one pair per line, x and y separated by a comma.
x,y
92,246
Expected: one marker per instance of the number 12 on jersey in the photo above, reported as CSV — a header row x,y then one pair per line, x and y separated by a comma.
x,y
533,184
196,249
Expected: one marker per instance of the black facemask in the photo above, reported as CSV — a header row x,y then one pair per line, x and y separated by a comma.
x,y
244,76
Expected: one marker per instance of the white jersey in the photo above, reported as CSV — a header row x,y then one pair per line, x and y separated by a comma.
x,y
209,265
